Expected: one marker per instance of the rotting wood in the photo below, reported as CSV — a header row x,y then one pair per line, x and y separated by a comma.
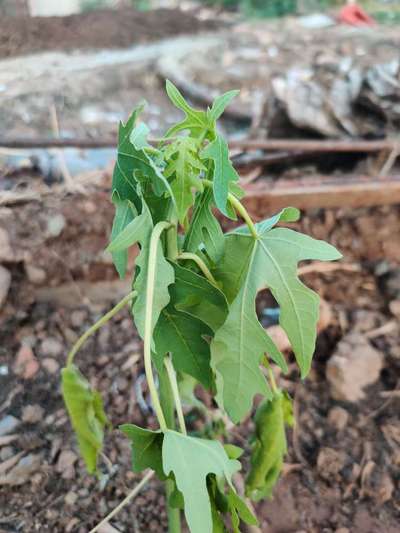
x,y
288,145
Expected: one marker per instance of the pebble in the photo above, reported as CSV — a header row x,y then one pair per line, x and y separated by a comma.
x,y
51,347
66,460
6,252
330,462
31,414
78,318
394,307
5,282
55,225
71,498
8,424
6,452
35,275
354,365
338,418
22,472
26,365
50,365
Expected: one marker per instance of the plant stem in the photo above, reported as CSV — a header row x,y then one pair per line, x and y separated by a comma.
x,y
174,515
135,491
239,208
200,263
271,375
148,328
105,318
175,391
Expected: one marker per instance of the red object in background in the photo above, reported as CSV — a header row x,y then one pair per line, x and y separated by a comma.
x,y
354,15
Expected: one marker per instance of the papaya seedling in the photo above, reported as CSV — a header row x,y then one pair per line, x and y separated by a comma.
x,y
193,298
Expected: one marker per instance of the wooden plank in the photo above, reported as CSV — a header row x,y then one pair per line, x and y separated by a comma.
x,y
321,192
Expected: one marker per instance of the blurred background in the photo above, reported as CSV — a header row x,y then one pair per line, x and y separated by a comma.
x,y
316,126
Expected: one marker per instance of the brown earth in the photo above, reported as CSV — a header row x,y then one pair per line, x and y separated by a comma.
x,y
97,29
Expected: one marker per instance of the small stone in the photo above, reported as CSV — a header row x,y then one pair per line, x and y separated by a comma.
x,y
8,424
66,460
78,318
31,414
342,530
50,365
6,452
354,365
51,347
35,275
338,418
22,472
55,225
26,365
394,307
330,462
6,252
71,498
5,282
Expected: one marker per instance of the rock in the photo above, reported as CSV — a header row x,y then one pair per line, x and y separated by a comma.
x,y
26,365
8,424
51,347
22,472
6,252
354,365
394,307
338,418
51,365
5,282
35,275
342,530
31,414
55,225
71,498
330,462
66,461
6,452
78,318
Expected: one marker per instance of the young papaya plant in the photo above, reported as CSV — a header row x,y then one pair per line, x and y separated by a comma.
x,y
193,300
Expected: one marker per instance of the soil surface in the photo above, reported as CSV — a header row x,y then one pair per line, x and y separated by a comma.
x,y
342,471
97,29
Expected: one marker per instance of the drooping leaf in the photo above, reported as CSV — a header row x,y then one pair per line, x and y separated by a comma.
x,y
192,460
146,448
195,121
182,335
134,164
239,510
248,266
223,171
184,165
220,103
269,447
125,212
205,231
85,409
196,296
137,230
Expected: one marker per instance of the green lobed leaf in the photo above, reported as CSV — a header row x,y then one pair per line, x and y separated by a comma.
x,y
248,266
146,448
269,447
220,104
239,511
134,164
205,231
125,212
196,296
195,121
182,335
223,171
85,409
184,166
192,460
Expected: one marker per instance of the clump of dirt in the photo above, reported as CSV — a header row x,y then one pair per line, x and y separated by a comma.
x,y
97,29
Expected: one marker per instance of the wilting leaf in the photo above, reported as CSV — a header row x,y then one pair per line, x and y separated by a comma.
x,y
182,335
223,171
125,212
184,166
192,460
85,409
269,447
205,231
146,448
248,266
